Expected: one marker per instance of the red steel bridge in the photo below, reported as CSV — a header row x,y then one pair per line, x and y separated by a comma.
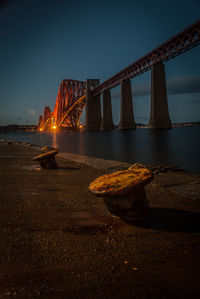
x,y
74,95
70,102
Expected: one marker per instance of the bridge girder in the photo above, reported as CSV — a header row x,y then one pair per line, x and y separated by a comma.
x,y
181,42
70,102
69,93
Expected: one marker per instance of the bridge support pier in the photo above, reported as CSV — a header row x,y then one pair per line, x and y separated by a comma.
x,y
159,106
126,116
93,107
107,121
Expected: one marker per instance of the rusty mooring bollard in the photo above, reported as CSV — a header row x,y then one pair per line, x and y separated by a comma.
x,y
124,193
47,160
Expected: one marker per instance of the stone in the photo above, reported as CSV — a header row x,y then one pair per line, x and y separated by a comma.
x,y
157,169
159,118
107,120
93,107
127,121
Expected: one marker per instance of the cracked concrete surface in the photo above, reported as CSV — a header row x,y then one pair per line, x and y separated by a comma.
x,y
59,241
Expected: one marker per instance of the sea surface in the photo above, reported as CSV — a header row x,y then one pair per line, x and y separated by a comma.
x,y
179,146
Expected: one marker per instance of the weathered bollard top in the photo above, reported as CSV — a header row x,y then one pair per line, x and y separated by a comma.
x,y
46,149
46,155
121,182
47,159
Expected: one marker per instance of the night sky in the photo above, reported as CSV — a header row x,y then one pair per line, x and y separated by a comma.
x,y
43,42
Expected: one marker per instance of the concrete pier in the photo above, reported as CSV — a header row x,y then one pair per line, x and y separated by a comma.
x,y
58,240
107,120
159,106
93,107
126,115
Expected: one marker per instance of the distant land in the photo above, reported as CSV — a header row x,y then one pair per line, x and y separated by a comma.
x,y
18,128
31,128
175,125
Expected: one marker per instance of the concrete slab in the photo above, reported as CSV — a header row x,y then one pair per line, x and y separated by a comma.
x,y
97,163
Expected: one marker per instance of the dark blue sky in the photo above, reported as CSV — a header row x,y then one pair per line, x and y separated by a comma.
x,y
43,42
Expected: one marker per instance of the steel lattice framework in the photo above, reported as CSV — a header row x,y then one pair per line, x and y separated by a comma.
x,y
69,93
70,102
44,120
71,98
183,41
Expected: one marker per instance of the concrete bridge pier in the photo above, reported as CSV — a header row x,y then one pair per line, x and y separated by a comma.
x,y
93,107
107,121
159,106
126,116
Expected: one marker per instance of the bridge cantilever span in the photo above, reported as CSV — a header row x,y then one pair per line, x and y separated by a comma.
x,y
73,95
69,105
181,42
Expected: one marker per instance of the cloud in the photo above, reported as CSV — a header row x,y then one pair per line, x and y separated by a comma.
x,y
141,89
177,85
19,118
138,89
141,118
194,101
31,112
181,85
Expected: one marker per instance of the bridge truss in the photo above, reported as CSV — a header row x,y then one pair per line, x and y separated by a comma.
x,y
71,98
183,41
70,102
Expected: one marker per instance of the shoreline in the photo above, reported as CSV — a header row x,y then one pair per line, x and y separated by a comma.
x,y
33,128
94,162
170,147
99,163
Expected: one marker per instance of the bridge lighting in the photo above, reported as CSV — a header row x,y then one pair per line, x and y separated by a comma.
x,y
41,129
54,127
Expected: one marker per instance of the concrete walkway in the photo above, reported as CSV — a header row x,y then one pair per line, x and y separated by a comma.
x,y
102,164
59,241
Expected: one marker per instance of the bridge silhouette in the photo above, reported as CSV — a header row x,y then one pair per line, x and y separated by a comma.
x,y
70,102
73,96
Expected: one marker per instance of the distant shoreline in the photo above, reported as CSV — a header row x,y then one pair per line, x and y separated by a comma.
x,y
175,125
18,128
33,128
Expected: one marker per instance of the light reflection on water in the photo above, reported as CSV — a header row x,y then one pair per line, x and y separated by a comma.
x,y
179,146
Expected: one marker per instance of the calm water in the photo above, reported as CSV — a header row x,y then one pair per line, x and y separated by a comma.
x,y
179,146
